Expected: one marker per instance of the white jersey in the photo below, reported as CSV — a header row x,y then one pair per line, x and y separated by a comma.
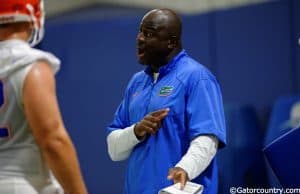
x,y
20,157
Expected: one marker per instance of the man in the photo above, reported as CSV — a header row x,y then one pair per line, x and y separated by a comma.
x,y
33,138
170,122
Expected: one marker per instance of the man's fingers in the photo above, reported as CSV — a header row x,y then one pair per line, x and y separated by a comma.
x,y
161,112
152,119
163,115
151,122
182,181
178,176
171,174
148,130
152,125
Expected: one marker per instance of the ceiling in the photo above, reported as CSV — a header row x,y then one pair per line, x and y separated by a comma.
x,y
55,7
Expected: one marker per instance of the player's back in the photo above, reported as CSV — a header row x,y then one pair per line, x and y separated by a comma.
x,y
19,155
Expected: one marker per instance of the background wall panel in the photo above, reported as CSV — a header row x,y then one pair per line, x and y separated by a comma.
x,y
253,52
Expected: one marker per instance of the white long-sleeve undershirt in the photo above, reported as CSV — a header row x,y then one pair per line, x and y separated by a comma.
x,y
199,155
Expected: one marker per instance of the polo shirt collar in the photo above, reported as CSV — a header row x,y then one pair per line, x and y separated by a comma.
x,y
168,67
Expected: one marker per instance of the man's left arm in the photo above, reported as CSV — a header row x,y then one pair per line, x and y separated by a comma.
x,y
199,155
206,129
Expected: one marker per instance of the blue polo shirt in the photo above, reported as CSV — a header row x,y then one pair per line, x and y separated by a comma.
x,y
194,98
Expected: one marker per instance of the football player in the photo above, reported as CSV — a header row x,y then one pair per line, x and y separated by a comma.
x,y
34,143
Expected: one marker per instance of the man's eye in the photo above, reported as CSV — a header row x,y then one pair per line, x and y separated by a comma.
x,y
148,34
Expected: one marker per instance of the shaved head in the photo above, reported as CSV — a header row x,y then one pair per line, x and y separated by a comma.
x,y
168,19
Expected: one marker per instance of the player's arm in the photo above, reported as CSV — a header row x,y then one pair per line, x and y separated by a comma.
x,y
42,112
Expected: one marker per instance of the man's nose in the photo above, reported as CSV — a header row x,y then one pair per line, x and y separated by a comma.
x,y
140,36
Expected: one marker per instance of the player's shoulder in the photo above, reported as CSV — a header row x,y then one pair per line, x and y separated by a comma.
x,y
45,57
22,55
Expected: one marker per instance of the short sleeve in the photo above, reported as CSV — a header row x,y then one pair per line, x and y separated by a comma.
x,y
121,116
204,111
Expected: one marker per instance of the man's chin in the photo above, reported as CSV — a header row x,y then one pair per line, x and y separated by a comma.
x,y
142,62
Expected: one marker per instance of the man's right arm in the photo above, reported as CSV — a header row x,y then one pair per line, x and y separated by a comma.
x,y
121,141
44,118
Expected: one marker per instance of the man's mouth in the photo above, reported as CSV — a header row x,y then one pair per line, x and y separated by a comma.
x,y
141,52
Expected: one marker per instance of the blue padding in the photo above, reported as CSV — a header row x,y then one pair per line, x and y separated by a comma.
x,y
283,156
241,161
280,114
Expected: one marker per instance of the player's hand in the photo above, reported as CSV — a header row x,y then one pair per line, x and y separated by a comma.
x,y
178,175
150,123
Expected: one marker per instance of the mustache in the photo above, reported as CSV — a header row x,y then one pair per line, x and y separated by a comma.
x,y
141,45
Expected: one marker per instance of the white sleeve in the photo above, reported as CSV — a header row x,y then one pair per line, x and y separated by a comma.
x,y
199,155
121,142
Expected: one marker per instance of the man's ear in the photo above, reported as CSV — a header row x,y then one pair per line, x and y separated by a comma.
x,y
172,43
